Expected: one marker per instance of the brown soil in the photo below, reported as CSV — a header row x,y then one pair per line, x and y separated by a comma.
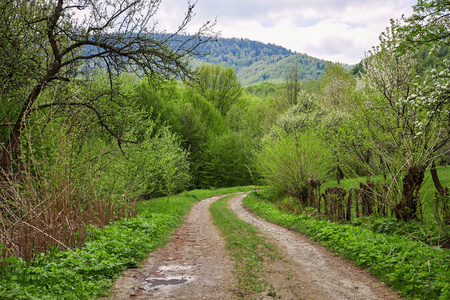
x,y
195,265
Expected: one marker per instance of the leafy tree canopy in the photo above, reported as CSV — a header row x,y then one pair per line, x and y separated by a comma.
x,y
44,44
218,85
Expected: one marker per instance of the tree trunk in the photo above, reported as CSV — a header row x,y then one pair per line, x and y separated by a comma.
x,y
407,208
339,174
12,147
436,181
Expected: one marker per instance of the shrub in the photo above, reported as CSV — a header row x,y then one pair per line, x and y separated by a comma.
x,y
288,162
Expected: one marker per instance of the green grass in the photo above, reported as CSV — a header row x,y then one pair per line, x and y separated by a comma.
x,y
247,247
415,269
88,272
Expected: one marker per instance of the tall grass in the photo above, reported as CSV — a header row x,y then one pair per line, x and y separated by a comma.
x,y
32,222
42,206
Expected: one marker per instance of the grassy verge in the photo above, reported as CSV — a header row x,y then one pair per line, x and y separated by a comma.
x,y
247,247
416,270
88,272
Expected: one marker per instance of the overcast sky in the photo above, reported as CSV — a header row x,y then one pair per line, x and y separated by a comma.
x,y
335,30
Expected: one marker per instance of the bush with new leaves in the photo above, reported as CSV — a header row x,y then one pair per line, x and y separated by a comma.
x,y
288,162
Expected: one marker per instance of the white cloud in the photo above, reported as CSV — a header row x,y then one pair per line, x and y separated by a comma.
x,y
328,29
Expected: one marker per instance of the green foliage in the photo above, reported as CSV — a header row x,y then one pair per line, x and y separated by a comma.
x,y
288,162
304,115
157,166
259,113
217,85
241,52
264,89
275,69
228,162
429,58
413,268
415,230
148,160
200,122
160,100
357,70
209,116
336,84
427,25
292,85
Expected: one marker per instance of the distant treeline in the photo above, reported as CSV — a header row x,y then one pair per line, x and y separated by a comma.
x,y
256,62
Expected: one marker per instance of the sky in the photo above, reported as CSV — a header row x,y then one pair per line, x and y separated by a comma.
x,y
334,30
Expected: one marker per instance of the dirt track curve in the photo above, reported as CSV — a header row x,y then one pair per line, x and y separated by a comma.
x,y
195,265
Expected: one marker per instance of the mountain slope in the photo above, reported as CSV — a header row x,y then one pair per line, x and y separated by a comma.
x,y
255,62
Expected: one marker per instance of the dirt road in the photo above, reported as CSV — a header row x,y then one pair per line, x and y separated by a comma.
x,y
195,265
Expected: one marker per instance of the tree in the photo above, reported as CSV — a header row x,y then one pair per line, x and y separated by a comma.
x,y
336,84
200,123
429,24
304,115
292,85
403,118
288,162
218,85
228,161
43,44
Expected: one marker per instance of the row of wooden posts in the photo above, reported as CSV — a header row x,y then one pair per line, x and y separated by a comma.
x,y
337,203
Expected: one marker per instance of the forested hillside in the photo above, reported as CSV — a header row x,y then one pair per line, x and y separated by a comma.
x,y
255,62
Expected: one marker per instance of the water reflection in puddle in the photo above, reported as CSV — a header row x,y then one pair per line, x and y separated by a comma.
x,y
177,276
153,282
167,282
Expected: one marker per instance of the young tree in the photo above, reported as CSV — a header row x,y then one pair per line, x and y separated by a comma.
x,y
292,85
227,161
304,115
218,85
336,85
43,43
288,162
